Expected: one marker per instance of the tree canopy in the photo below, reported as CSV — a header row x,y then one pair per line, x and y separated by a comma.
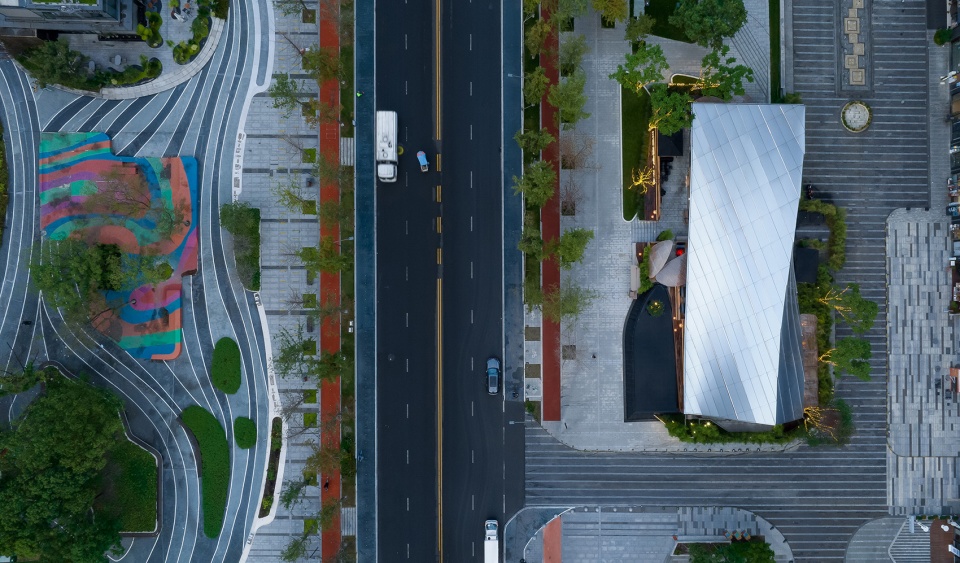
x,y
537,183
569,99
322,63
670,109
736,552
642,68
49,473
533,141
570,247
851,356
720,78
857,312
53,62
707,22
535,85
572,50
639,28
536,37
285,93
612,10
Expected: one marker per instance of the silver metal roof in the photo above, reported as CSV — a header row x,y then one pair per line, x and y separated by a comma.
x,y
741,360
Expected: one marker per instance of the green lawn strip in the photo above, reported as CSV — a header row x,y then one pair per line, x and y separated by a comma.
x,y
635,117
4,180
128,487
346,90
214,468
661,10
309,156
705,432
225,367
310,396
244,223
310,419
775,96
244,432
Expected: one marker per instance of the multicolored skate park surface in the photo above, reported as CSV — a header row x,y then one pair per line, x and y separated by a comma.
x,y
148,323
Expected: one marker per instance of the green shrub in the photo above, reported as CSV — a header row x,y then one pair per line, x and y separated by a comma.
x,y
244,432
310,396
837,223
665,235
128,487
225,366
635,112
706,432
309,419
215,465
942,36
243,222
221,8
646,284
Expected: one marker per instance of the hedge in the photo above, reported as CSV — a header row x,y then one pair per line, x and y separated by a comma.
x,y
132,472
225,367
214,467
244,432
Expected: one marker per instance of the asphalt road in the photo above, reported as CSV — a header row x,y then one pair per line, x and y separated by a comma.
x,y
481,479
466,195
407,273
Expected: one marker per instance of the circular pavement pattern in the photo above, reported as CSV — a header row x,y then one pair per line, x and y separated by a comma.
x,y
856,116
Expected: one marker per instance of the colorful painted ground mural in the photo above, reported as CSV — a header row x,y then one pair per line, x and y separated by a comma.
x,y
80,198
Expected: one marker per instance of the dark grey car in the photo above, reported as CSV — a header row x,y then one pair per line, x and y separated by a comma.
x,y
493,376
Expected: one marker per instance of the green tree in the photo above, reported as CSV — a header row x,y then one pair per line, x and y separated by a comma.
x,y
531,242
326,257
535,85
642,68
290,7
53,62
296,549
718,76
569,99
570,247
322,63
707,22
572,50
293,492
49,474
530,8
329,510
857,312
566,303
639,28
852,356
285,93
291,193
67,272
536,37
568,9
612,11
537,184
533,141
670,110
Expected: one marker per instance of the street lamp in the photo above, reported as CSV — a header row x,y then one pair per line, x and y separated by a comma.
x,y
343,239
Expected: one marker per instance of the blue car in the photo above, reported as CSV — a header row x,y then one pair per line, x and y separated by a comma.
x,y
493,376
424,165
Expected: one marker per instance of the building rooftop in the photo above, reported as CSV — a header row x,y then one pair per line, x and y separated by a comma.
x,y
741,349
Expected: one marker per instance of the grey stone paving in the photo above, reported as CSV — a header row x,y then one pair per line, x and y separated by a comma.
x,y
273,155
641,533
871,543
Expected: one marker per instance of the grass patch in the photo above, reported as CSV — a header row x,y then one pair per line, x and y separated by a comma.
x,y
243,222
276,444
310,396
309,156
661,10
840,424
225,367
128,487
705,432
214,468
310,526
244,432
635,119
309,347
310,420
775,93
347,97
309,300
4,181
308,16
309,207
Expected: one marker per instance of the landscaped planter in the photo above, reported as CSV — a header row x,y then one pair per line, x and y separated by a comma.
x,y
856,116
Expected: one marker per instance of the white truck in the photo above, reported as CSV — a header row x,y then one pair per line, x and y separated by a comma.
x,y
387,146
491,544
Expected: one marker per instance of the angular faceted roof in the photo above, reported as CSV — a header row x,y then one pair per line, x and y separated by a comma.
x,y
745,172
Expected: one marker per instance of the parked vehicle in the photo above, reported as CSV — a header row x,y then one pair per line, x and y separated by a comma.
x,y
493,376
387,146
422,158
491,543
